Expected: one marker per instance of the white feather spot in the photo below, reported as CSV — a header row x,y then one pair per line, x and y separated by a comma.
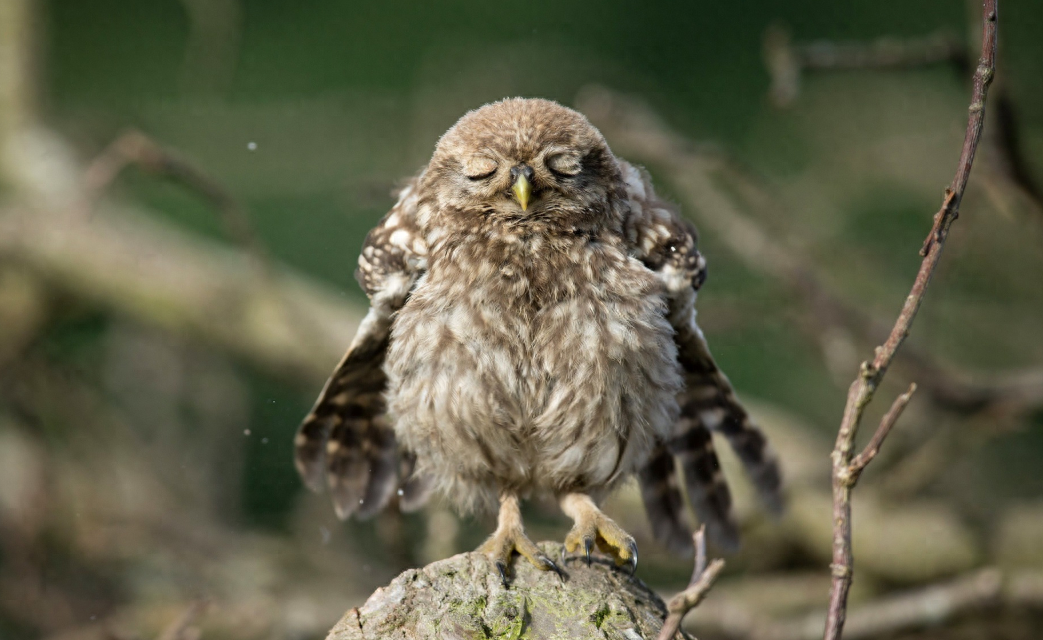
x,y
400,238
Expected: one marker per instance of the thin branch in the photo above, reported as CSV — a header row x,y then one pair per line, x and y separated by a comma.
x,y
871,374
886,424
702,580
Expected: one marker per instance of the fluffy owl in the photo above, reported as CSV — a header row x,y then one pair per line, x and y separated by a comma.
x,y
532,330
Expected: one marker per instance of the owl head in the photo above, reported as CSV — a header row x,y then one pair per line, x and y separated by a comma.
x,y
524,159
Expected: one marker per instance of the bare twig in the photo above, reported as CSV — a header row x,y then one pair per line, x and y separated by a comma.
x,y
886,424
845,475
703,577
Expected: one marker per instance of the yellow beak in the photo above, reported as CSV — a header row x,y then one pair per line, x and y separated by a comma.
x,y
522,189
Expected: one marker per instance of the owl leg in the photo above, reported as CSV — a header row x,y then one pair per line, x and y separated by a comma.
x,y
510,537
594,527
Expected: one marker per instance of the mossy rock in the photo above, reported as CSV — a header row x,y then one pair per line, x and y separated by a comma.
x,y
463,598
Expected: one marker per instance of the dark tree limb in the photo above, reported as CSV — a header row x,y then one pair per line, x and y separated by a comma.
x,y
861,392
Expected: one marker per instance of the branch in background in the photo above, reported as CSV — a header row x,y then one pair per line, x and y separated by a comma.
x,y
929,606
703,577
134,147
966,596
787,62
1008,161
846,469
638,132
135,266
139,267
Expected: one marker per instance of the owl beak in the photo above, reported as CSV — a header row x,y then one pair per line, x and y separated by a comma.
x,y
522,186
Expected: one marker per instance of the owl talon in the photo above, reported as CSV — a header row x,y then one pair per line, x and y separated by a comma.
x,y
594,527
502,568
510,537
550,565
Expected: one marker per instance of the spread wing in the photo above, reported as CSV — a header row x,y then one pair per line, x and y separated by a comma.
x,y
345,442
667,244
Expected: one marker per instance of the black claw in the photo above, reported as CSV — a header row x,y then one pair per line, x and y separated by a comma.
x,y
633,557
588,545
502,568
550,566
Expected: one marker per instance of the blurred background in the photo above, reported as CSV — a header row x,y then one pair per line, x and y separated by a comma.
x,y
185,188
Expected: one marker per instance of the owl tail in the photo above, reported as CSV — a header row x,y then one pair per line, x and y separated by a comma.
x,y
708,493
663,502
709,403
754,452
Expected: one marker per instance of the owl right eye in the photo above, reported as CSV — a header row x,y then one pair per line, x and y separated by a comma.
x,y
479,167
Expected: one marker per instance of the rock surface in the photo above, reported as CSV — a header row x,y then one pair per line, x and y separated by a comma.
x,y
462,598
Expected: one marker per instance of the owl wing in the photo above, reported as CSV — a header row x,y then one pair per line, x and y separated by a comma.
x,y
345,441
666,244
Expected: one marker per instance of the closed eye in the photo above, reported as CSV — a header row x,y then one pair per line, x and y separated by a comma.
x,y
479,167
564,164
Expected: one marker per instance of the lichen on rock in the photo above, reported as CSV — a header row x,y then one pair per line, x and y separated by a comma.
x,y
462,598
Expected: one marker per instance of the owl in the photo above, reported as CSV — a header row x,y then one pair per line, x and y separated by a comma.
x,y
532,330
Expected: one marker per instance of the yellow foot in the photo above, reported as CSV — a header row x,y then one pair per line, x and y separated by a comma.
x,y
510,537
594,527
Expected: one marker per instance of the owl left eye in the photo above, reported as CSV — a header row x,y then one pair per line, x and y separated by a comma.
x,y
479,167
564,164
